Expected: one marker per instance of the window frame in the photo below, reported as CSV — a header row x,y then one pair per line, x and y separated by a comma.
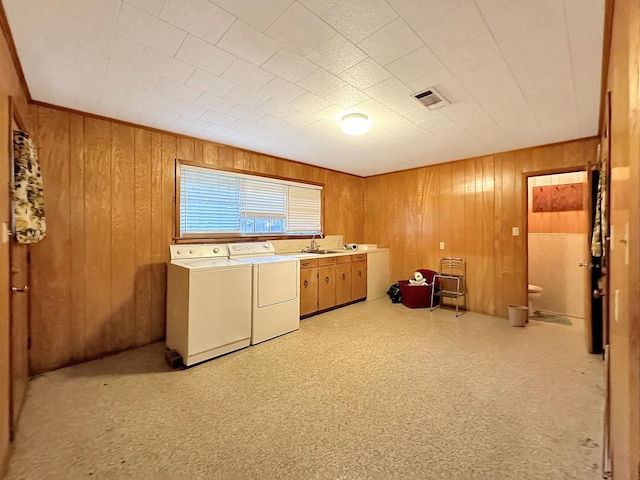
x,y
223,238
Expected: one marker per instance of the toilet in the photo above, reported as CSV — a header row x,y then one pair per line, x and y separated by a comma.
x,y
535,292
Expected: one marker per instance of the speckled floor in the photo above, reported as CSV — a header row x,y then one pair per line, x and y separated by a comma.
x,y
371,391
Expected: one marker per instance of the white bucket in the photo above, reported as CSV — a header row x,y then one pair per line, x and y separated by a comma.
x,y
518,315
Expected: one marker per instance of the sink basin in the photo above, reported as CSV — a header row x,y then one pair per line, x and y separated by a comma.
x,y
324,252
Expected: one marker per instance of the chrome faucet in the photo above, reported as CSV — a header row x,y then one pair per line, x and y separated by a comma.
x,y
314,246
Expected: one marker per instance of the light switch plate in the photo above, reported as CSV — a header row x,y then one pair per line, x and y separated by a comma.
x,y
5,233
441,245
515,231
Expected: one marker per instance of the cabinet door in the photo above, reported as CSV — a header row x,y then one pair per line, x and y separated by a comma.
x,y
358,280
343,283
308,291
326,287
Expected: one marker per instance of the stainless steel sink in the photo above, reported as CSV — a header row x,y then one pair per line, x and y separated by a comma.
x,y
324,252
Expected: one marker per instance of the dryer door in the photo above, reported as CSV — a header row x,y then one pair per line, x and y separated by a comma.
x,y
277,282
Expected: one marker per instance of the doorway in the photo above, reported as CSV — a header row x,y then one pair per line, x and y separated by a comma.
x,y
557,242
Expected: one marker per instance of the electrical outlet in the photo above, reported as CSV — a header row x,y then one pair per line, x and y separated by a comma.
x,y
441,245
515,231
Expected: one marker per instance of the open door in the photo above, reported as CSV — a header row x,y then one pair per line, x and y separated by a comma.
x,y
592,265
19,310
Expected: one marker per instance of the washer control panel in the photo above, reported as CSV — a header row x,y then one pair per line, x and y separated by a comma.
x,y
199,250
251,249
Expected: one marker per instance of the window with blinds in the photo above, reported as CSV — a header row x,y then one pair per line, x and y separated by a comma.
x,y
213,202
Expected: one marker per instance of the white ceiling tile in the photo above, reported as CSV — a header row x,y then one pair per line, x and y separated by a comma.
x,y
218,133
277,108
206,82
489,6
244,41
391,42
404,103
420,12
405,128
150,6
148,30
309,102
357,19
260,15
433,121
388,90
184,108
165,66
188,125
247,75
299,30
98,12
214,103
282,89
322,83
414,65
318,6
274,123
117,47
444,82
246,97
365,74
454,29
201,54
520,16
176,90
198,17
337,54
347,97
289,65
246,114
75,58
126,74
332,113
476,53
301,119
377,112
218,118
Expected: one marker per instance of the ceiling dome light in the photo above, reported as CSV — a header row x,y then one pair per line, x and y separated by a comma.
x,y
355,124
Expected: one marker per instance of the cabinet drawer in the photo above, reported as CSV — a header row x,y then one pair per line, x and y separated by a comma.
x,y
326,261
343,259
359,257
309,263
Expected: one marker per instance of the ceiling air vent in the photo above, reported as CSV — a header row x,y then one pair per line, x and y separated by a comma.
x,y
431,99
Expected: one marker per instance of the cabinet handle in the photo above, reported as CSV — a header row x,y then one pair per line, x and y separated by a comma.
x,y
344,277
360,273
306,283
326,279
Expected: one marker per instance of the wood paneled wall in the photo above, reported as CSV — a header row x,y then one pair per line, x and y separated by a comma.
x,y
98,279
624,279
471,206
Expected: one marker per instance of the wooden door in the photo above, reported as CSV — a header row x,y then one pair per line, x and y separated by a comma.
x,y
343,283
308,291
19,314
359,280
326,287
19,328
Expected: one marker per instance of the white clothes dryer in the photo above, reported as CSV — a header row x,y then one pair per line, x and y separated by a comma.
x,y
208,302
275,303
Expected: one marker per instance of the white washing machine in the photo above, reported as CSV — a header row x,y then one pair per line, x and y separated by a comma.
x,y
275,301
208,302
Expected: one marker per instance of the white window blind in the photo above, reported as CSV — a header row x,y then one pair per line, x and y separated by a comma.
x,y
208,203
215,202
303,208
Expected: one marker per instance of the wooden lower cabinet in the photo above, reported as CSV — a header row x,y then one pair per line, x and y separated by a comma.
x,y
326,287
343,283
359,280
308,287
329,282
